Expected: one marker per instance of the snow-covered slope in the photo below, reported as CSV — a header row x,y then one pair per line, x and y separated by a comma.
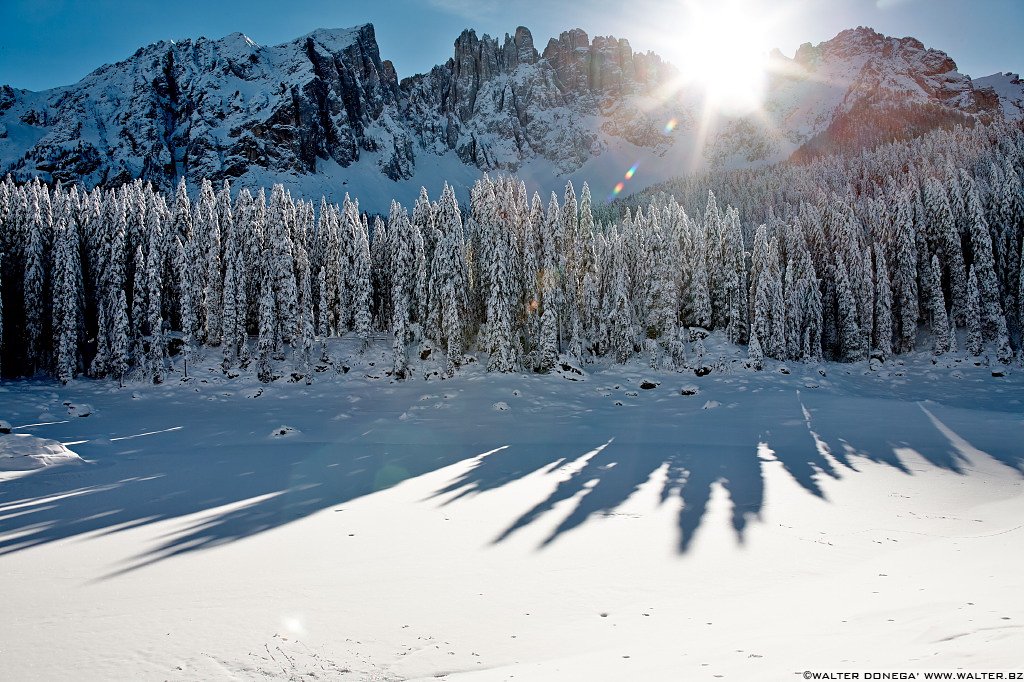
x,y
833,518
1009,88
213,108
325,114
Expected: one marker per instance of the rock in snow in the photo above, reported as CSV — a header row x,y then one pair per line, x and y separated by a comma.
x,y
23,452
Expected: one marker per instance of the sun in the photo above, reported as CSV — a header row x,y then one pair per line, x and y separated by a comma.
x,y
723,50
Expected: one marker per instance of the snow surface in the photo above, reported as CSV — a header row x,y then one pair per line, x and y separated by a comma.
x,y
410,530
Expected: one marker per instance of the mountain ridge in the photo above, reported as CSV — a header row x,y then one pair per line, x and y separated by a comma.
x,y
326,113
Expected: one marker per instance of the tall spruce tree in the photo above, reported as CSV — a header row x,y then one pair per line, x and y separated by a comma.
x,y
883,305
937,308
974,343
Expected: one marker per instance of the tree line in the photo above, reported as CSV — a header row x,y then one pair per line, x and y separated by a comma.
x,y
844,258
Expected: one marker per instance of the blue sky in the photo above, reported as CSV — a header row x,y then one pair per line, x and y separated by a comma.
x,y
45,43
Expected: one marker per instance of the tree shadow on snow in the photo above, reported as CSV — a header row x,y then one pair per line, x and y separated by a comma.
x,y
809,437
217,491
213,488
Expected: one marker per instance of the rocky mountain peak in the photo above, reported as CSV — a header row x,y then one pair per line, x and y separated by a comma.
x,y
326,109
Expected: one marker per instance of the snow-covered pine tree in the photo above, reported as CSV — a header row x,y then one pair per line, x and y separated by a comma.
x,y
944,234
228,318
1020,302
248,243
715,268
883,305
905,293
421,285
450,278
802,296
157,348
568,263
213,279
380,274
361,292
548,346
306,328
699,287
585,234
139,319
1010,225
100,364
280,219
699,352
758,262
551,239
865,298
532,274
1004,351
204,235
761,323
810,348
34,280
623,330
403,271
187,314
502,338
240,337
182,223
660,304
735,278
974,338
677,347
937,308
983,265
65,290
267,336
754,352
775,342
849,339
120,357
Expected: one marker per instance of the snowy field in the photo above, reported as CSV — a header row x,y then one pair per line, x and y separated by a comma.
x,y
516,526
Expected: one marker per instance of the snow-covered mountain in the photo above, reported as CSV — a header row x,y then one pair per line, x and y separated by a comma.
x,y
325,114
1009,88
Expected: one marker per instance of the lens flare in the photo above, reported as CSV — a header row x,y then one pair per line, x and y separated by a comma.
x,y
618,188
671,125
631,172
724,49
